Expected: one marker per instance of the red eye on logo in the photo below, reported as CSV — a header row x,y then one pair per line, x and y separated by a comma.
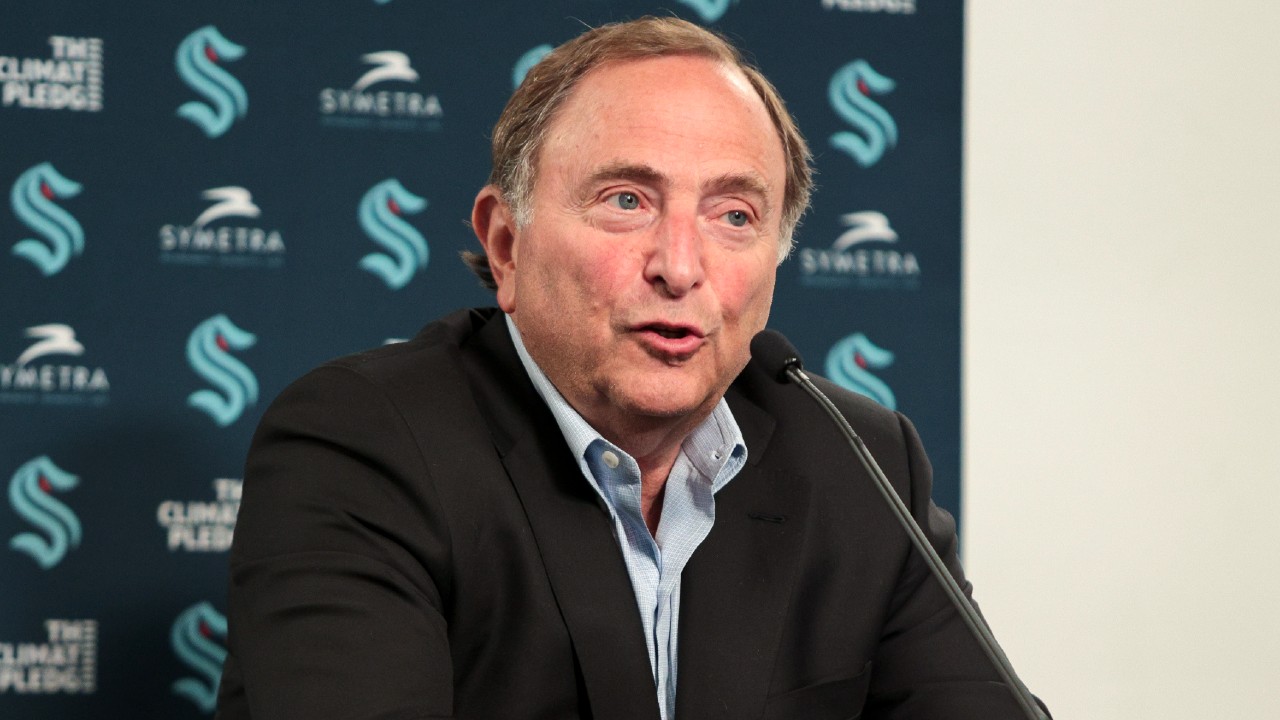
x,y
46,191
210,53
862,87
393,206
205,631
222,342
862,361
45,485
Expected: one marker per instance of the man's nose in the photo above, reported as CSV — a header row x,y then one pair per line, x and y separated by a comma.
x,y
675,264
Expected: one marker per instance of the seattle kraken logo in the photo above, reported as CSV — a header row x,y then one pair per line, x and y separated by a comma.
x,y
208,351
193,640
709,10
197,61
380,212
848,364
526,63
31,494
32,198
850,95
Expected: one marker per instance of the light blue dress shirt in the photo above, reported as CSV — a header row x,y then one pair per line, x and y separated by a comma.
x,y
709,458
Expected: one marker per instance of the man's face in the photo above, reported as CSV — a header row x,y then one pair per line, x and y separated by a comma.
x,y
650,259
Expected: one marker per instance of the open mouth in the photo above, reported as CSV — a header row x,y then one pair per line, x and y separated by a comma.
x,y
670,332
671,342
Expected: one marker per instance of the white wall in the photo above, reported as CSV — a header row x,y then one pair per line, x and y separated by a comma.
x,y
1122,350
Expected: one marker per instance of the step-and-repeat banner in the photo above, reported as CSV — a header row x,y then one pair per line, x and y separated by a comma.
x,y
206,199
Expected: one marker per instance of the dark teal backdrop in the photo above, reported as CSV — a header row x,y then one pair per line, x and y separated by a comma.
x,y
205,199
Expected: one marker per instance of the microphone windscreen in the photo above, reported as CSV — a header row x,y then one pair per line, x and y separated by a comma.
x,y
775,353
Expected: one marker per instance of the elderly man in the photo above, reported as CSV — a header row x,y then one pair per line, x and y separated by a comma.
x,y
590,503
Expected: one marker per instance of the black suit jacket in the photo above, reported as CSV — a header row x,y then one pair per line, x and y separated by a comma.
x,y
415,540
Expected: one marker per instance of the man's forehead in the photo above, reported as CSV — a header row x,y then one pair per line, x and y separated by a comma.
x,y
709,64
593,96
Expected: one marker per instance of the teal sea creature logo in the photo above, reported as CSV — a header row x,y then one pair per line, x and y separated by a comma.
x,y
850,93
380,216
209,353
195,637
31,494
850,362
32,198
198,60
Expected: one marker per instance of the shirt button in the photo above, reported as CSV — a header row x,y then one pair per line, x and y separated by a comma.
x,y
610,459
715,456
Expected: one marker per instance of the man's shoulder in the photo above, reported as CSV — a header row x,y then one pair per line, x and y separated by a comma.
x,y
435,347
856,405
426,371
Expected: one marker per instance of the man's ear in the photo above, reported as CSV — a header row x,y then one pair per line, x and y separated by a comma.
x,y
494,225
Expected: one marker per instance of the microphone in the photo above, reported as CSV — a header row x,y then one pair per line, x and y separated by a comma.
x,y
781,360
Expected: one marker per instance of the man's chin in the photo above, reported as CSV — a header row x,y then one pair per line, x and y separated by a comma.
x,y
666,403
659,397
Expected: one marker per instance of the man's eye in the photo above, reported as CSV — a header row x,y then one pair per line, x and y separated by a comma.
x,y
625,200
737,218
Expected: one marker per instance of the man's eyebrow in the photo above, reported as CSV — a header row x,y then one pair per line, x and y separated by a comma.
x,y
741,183
628,172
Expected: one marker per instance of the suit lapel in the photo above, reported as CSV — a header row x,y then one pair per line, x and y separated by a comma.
x,y
735,590
573,533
